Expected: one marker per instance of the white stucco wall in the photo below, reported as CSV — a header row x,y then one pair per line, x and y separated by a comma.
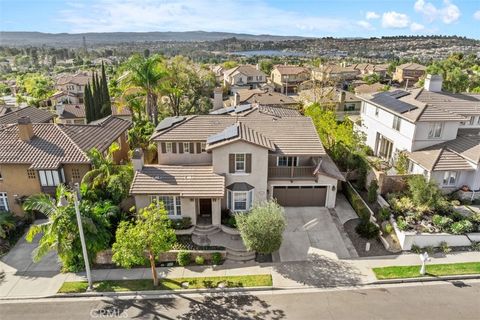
x,y
183,158
421,139
257,178
383,123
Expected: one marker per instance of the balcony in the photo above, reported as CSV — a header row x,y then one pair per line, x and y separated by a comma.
x,y
298,172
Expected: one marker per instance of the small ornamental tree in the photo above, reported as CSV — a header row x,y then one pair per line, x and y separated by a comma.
x,y
262,228
148,236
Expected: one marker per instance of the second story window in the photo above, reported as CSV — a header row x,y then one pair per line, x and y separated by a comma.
x,y
239,162
435,130
168,147
397,121
449,178
186,147
50,178
287,161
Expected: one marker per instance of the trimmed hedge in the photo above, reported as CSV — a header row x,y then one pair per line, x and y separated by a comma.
x,y
356,201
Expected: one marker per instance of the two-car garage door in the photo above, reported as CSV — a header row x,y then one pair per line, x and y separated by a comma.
x,y
300,196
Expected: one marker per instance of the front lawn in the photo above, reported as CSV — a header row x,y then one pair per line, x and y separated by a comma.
x,y
433,270
263,280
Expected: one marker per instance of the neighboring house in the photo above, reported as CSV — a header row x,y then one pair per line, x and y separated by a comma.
x,y
263,96
335,73
35,115
75,113
439,131
342,102
38,157
243,76
73,83
256,109
286,79
210,163
367,69
409,72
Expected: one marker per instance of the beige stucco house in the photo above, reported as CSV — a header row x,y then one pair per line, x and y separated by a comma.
x,y
411,72
37,157
213,163
286,79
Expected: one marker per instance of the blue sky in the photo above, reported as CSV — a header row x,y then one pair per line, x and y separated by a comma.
x,y
338,18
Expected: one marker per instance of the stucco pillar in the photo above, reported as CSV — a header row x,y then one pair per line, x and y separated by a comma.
x,y
216,212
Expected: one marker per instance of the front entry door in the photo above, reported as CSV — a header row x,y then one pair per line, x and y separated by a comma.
x,y
205,210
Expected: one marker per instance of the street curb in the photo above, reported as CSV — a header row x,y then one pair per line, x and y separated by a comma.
x,y
426,279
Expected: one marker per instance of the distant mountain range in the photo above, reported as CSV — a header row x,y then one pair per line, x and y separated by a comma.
x,y
18,39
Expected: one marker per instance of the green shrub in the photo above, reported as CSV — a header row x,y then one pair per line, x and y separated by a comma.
x,y
384,214
475,245
401,163
402,224
232,222
216,258
181,224
429,249
456,216
367,229
7,223
424,192
183,258
455,202
372,191
442,222
475,217
199,260
445,247
461,227
388,228
416,249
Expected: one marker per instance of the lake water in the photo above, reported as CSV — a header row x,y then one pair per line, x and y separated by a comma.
x,y
272,53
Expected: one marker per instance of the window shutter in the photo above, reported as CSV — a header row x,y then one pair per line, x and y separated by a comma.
x,y
248,163
174,147
164,148
231,163
192,147
180,147
199,147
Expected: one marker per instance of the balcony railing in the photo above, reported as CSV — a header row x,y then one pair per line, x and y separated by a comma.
x,y
291,172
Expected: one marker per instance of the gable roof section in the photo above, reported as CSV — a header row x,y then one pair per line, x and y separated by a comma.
x,y
186,181
36,115
291,135
248,70
244,133
286,69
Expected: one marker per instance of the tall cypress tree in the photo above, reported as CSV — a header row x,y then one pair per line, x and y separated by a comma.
x,y
107,105
87,98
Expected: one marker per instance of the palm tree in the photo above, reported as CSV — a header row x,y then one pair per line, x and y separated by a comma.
x,y
106,180
146,74
60,232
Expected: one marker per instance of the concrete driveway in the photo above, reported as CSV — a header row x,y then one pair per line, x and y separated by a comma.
x,y
311,230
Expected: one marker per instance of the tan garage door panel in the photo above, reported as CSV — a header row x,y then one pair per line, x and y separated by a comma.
x,y
300,196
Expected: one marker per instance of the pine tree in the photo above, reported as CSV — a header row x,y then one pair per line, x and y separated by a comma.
x,y
87,98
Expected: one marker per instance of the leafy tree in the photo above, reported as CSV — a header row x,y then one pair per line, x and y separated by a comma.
x,y
229,64
266,66
262,228
148,236
7,223
425,193
60,232
35,85
372,78
106,180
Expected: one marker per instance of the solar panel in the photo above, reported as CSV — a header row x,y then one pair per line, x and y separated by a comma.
x,y
397,94
227,133
388,102
243,108
169,122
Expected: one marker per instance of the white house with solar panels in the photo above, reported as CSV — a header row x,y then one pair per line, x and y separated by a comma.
x,y
439,131
230,159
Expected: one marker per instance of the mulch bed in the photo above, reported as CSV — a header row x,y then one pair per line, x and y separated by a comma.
x,y
376,247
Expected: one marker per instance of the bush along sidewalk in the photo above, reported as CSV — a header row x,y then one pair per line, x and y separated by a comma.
x,y
261,280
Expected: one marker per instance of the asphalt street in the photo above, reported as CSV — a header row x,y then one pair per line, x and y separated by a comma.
x,y
441,300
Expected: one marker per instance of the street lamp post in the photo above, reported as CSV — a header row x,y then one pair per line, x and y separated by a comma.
x,y
82,240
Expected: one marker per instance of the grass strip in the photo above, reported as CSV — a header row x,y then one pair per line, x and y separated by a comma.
x,y
169,284
432,270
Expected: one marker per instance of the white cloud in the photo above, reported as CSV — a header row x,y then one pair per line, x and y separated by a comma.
x,y
417,27
449,13
208,15
371,15
365,25
395,20
476,15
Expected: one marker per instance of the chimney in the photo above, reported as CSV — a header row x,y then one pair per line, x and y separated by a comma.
x,y
217,98
433,83
25,129
236,99
257,66
341,96
60,108
137,159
